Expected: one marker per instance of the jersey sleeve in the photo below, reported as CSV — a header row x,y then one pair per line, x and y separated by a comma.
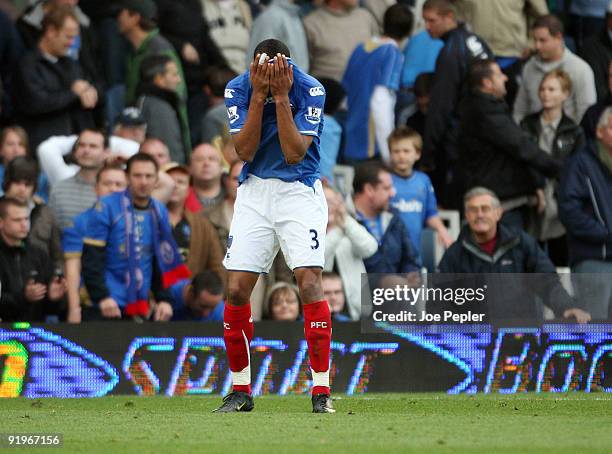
x,y
391,68
237,103
72,238
98,225
310,112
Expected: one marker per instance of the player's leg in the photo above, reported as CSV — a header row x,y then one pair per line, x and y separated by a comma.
x,y
237,334
251,249
318,331
300,223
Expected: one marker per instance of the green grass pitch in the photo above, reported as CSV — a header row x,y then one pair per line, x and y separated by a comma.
x,y
371,423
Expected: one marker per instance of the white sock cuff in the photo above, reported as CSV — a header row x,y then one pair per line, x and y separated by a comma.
x,y
320,378
243,377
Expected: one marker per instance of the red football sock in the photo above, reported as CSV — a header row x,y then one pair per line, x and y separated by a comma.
x,y
238,333
318,330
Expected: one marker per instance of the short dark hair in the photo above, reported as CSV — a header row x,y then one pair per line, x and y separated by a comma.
x,y
56,17
209,281
6,202
550,22
423,84
152,66
272,47
107,167
334,94
217,77
442,7
141,157
367,173
21,169
105,139
397,21
478,71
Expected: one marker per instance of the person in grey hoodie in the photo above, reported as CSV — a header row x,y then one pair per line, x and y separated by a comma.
x,y
551,53
282,21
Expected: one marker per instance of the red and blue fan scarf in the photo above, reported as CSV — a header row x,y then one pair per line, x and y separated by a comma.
x,y
167,256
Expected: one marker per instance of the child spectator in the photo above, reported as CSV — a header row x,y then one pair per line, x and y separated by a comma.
x,y
414,194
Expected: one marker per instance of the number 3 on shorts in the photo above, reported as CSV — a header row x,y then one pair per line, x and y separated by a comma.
x,y
315,239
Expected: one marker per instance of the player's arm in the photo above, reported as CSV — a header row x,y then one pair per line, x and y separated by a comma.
x,y
246,141
293,144
72,271
93,259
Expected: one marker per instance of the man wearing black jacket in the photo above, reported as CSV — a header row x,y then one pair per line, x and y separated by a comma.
x,y
30,288
182,23
461,47
494,151
53,95
585,208
83,49
163,110
487,246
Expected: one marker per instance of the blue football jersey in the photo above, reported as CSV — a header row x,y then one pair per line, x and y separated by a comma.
x,y
106,223
307,99
372,63
72,238
415,200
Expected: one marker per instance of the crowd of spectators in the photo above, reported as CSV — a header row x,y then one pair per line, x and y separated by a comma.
x,y
118,175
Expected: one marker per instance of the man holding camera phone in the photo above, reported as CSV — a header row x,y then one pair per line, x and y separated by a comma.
x,y
31,290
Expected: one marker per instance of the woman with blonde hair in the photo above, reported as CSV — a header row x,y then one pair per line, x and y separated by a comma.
x,y
559,136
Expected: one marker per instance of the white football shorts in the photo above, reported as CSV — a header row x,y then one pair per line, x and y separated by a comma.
x,y
270,214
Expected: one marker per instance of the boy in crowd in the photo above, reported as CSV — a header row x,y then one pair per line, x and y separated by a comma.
x,y
414,197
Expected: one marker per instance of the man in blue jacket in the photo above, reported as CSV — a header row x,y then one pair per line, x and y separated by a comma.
x,y
373,188
585,208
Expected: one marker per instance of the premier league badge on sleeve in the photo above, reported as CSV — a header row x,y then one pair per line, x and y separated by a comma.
x,y
314,115
232,113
